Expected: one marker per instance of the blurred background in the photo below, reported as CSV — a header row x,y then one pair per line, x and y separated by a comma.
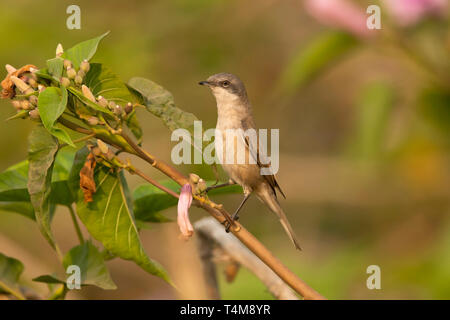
x,y
364,119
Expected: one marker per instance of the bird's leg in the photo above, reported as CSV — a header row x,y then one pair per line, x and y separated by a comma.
x,y
235,216
216,186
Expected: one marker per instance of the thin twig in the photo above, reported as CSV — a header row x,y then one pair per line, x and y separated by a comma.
x,y
155,183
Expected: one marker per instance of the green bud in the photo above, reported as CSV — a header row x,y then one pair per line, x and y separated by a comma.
x,y
33,100
93,121
201,186
102,102
17,105
78,80
81,73
85,66
67,64
65,82
112,105
25,104
10,69
23,87
32,82
128,108
34,114
71,73
59,50
118,110
194,178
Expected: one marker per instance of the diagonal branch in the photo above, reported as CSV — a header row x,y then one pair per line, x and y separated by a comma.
x,y
216,210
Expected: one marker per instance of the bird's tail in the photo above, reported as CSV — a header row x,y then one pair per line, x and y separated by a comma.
x,y
269,198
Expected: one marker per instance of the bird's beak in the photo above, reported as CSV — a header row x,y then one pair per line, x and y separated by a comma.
x,y
204,83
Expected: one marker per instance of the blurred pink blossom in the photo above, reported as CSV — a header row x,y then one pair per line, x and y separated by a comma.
x,y
341,14
184,203
409,12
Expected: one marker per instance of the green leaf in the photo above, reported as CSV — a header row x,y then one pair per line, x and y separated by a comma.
x,y
315,58
10,271
74,175
109,218
52,103
41,156
149,201
13,183
61,193
160,103
14,195
49,279
103,82
92,266
88,102
83,50
55,67
23,208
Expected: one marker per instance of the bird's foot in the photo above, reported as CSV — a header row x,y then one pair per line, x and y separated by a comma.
x,y
227,223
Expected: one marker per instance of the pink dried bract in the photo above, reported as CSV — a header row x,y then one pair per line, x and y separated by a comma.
x,y
184,203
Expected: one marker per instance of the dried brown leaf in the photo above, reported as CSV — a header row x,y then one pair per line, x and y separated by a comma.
x,y
8,85
87,182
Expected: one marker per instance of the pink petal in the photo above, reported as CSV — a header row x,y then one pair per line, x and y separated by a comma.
x,y
409,12
341,14
184,203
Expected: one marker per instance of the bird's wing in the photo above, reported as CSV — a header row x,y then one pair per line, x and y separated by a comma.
x,y
259,157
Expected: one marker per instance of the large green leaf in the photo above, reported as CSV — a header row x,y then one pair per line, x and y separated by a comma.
x,y
109,218
55,67
74,174
160,102
103,82
23,208
149,201
93,105
41,156
10,271
83,50
52,103
13,183
92,266
313,59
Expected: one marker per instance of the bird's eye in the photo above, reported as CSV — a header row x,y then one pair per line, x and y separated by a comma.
x,y
225,83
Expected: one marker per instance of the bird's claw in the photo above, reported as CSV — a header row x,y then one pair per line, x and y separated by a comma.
x,y
227,223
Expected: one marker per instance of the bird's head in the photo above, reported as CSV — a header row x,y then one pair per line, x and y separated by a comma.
x,y
226,88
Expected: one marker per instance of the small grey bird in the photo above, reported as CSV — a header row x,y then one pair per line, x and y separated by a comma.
x,y
235,112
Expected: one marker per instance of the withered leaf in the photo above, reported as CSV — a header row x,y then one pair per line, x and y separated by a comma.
x,y
8,85
87,183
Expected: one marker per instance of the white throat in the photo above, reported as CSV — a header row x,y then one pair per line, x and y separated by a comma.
x,y
230,109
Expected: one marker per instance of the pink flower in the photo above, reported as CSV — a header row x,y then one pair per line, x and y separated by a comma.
x,y
340,14
409,12
184,203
